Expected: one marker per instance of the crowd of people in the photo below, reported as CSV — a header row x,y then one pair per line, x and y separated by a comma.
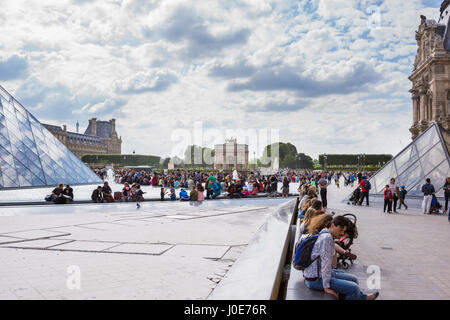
x,y
325,239
192,185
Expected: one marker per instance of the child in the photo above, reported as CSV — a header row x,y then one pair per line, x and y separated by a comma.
x,y
173,196
388,198
402,195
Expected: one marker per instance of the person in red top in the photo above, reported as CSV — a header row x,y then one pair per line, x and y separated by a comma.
x,y
388,197
364,190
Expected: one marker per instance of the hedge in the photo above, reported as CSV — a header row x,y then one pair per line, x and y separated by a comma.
x,y
122,159
352,159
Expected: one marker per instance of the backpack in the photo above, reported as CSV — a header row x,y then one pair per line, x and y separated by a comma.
x,y
303,250
367,185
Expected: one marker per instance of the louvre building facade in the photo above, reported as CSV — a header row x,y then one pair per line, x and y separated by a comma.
x,y
100,137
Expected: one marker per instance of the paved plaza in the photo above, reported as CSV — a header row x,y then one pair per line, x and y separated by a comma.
x,y
179,251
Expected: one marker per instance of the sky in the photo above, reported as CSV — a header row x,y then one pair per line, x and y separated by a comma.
x,y
329,76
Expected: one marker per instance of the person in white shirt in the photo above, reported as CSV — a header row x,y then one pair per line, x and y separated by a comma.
x,y
320,275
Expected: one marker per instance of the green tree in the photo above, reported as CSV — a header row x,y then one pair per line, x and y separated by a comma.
x,y
305,161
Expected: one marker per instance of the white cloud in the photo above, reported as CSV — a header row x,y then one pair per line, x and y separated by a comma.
x,y
157,65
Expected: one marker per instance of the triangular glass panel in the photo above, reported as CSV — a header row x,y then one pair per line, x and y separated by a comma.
x,y
30,155
426,157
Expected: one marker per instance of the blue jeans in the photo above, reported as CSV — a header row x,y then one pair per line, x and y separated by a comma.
x,y
341,282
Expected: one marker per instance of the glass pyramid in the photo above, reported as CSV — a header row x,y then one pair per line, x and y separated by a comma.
x,y
426,157
30,156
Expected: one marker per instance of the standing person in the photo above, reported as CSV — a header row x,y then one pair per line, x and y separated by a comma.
x,y
285,187
395,190
163,193
447,194
365,187
388,197
323,184
402,195
428,190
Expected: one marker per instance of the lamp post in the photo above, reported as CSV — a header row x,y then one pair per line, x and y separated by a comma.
x,y
364,161
358,164
324,162
254,157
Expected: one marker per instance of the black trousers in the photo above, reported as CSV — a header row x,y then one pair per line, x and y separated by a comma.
x,y
395,202
402,202
364,194
447,196
323,195
388,204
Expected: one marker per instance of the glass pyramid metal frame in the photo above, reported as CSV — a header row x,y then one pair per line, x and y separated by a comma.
x,y
426,157
31,156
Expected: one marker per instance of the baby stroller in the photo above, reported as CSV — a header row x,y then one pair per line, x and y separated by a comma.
x,y
435,205
356,195
346,243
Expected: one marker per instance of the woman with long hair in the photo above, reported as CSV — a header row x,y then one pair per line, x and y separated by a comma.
x,y
310,214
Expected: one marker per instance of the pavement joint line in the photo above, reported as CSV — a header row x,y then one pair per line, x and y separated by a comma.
x,y
60,244
85,251
143,220
81,226
224,214
34,239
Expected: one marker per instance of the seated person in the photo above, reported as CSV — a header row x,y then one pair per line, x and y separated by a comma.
x,y
231,190
216,189
184,195
194,195
173,196
68,193
310,214
139,193
126,192
254,189
107,192
57,194
320,275
339,247
97,196
200,191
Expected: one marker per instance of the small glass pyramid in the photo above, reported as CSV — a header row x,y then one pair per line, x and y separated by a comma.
x,y
30,156
426,157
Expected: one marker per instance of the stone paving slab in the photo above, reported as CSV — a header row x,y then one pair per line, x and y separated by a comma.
x,y
86,245
212,252
142,248
139,263
37,244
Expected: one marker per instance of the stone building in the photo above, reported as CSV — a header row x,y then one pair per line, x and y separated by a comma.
x,y
427,156
231,155
100,137
431,75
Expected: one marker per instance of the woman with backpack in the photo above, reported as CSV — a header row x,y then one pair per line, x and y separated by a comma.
x,y
319,274
365,187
